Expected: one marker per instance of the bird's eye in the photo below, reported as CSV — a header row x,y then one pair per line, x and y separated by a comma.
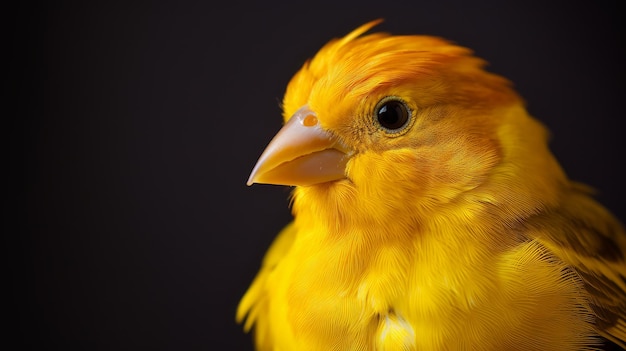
x,y
392,114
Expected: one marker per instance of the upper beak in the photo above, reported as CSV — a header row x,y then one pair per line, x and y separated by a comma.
x,y
301,153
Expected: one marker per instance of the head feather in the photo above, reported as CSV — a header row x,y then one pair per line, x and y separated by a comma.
x,y
360,65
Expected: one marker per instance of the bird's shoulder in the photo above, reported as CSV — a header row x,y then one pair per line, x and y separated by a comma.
x,y
586,236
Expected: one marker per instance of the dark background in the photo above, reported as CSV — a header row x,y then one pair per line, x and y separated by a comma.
x,y
138,124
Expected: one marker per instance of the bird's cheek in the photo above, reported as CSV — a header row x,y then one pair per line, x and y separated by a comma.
x,y
380,174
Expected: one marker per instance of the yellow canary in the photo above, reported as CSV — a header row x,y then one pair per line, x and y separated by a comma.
x,y
429,213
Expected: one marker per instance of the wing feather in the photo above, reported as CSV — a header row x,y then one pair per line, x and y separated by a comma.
x,y
255,301
589,238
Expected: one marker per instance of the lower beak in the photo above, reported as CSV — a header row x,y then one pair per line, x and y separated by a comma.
x,y
301,153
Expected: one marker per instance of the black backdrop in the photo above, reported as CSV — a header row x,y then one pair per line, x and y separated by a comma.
x,y
139,122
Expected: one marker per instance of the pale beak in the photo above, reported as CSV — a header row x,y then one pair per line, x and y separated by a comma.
x,y
301,153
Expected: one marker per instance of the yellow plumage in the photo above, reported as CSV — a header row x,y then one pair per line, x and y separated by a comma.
x,y
429,213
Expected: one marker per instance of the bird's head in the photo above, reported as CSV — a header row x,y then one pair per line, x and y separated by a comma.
x,y
381,124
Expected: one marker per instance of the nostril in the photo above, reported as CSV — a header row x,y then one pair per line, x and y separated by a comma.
x,y
309,121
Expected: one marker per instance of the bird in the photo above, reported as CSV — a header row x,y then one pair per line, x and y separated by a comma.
x,y
428,213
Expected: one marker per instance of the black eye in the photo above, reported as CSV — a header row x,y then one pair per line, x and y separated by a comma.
x,y
392,114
